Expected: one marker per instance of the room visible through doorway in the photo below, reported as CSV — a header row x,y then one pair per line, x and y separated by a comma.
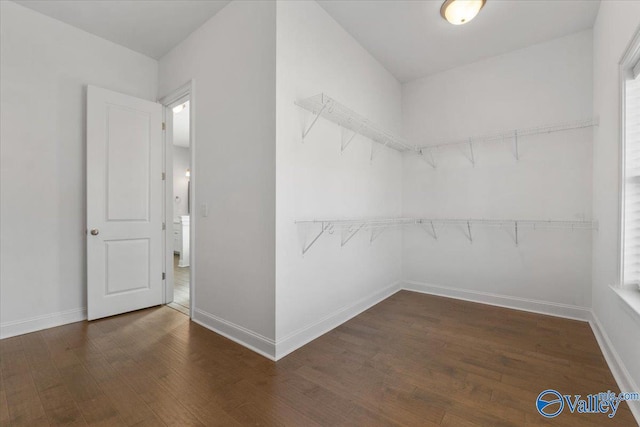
x,y
181,207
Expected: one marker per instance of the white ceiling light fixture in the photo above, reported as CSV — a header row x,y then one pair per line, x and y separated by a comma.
x,y
179,108
459,12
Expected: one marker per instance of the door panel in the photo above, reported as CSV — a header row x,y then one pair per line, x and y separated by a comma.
x,y
123,275
124,203
128,134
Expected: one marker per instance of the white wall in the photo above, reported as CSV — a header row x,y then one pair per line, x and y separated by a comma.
x,y
181,162
232,59
320,290
45,66
542,84
615,26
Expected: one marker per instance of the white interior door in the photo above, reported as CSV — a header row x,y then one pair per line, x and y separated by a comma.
x,y
124,203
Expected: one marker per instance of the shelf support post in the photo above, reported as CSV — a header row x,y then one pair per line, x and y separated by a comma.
x,y
515,142
473,158
306,132
515,228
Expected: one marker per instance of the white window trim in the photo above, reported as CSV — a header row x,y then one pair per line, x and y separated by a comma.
x,y
629,68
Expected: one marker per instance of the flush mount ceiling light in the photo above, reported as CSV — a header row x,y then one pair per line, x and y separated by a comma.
x,y
179,108
460,12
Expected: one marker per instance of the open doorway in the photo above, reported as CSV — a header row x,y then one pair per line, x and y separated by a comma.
x,y
181,207
180,201
180,179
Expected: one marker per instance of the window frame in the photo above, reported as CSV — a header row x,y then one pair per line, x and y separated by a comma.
x,y
629,63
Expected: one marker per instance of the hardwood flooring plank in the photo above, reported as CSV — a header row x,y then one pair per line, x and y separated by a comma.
x,y
25,407
57,402
4,406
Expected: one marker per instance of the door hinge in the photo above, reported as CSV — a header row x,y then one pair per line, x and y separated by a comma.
x,y
164,225
164,176
164,276
164,126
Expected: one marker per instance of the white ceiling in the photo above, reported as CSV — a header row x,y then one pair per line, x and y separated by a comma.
x,y
411,39
407,36
181,127
146,26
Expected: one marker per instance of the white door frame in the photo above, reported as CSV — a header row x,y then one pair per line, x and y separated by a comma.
x,y
169,101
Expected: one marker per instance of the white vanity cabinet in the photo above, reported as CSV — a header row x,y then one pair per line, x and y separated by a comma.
x,y
177,236
181,240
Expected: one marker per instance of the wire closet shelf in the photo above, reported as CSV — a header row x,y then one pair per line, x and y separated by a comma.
x,y
428,150
350,227
324,106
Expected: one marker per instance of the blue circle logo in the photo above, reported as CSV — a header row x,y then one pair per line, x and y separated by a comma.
x,y
549,403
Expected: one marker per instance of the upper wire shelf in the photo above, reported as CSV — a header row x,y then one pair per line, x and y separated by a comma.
x,y
513,135
322,105
536,130
350,227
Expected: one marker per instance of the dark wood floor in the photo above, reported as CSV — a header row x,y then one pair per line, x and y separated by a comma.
x,y
411,360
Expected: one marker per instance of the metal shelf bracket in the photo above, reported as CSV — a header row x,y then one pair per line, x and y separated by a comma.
x,y
318,114
469,235
429,159
348,233
430,228
346,138
375,149
375,233
515,229
472,156
324,226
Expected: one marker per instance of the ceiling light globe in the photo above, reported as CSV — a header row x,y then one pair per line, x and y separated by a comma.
x,y
460,12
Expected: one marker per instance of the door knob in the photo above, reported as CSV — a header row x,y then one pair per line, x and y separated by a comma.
x,y
95,231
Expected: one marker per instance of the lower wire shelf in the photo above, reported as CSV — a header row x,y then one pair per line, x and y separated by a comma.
x,y
349,227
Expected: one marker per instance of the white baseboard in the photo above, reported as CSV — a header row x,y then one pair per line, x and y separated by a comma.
x,y
524,304
34,324
308,333
243,336
616,366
